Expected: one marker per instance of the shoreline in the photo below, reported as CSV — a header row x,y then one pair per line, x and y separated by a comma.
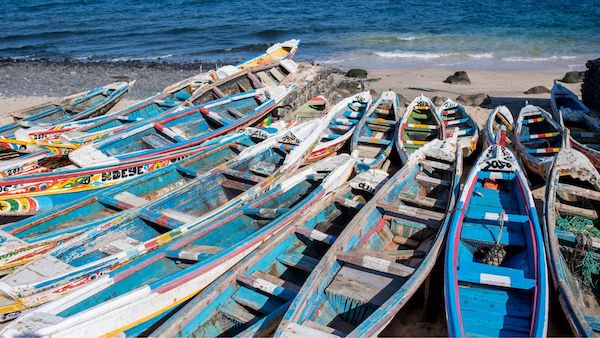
x,y
25,83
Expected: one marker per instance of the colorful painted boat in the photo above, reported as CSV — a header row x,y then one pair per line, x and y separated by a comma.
x,y
23,241
419,125
499,118
134,297
384,254
114,242
455,115
584,127
538,137
183,128
226,81
31,194
76,134
343,118
251,298
84,105
496,283
572,238
375,133
279,51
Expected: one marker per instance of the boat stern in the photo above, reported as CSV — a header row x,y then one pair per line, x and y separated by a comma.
x,y
10,307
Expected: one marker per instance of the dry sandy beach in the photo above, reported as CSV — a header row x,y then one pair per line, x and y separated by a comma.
x,y
25,85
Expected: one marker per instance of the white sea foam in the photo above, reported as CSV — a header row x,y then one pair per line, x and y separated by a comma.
x,y
429,55
482,55
409,38
412,55
538,59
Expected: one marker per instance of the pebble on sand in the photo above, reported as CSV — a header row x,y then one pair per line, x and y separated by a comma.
x,y
573,77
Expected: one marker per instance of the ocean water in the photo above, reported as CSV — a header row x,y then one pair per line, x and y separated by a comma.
x,y
371,33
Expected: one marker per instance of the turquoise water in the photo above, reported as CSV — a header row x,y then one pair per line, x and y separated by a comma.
x,y
379,33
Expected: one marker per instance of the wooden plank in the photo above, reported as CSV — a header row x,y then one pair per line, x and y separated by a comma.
x,y
390,254
396,223
255,81
131,199
236,312
578,191
429,181
437,165
266,79
276,289
316,235
276,280
294,330
297,260
571,240
376,264
179,216
576,211
348,203
277,74
219,92
414,212
363,286
235,113
423,201
322,328
380,128
243,175
411,243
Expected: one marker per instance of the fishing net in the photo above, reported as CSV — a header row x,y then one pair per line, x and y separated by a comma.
x,y
584,262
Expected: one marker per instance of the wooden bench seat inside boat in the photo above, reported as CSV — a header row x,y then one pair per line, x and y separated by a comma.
x,y
362,286
495,276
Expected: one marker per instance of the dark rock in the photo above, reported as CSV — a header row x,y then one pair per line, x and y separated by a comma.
x,y
459,77
573,77
590,88
474,99
358,73
439,100
537,90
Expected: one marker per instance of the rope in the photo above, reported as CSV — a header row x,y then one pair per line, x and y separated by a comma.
x,y
584,260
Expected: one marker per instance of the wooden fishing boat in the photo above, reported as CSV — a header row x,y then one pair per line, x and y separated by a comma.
x,y
419,125
499,118
279,51
84,105
384,254
584,127
454,115
572,238
342,118
110,244
135,296
496,282
34,193
251,298
183,128
375,133
225,81
538,137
